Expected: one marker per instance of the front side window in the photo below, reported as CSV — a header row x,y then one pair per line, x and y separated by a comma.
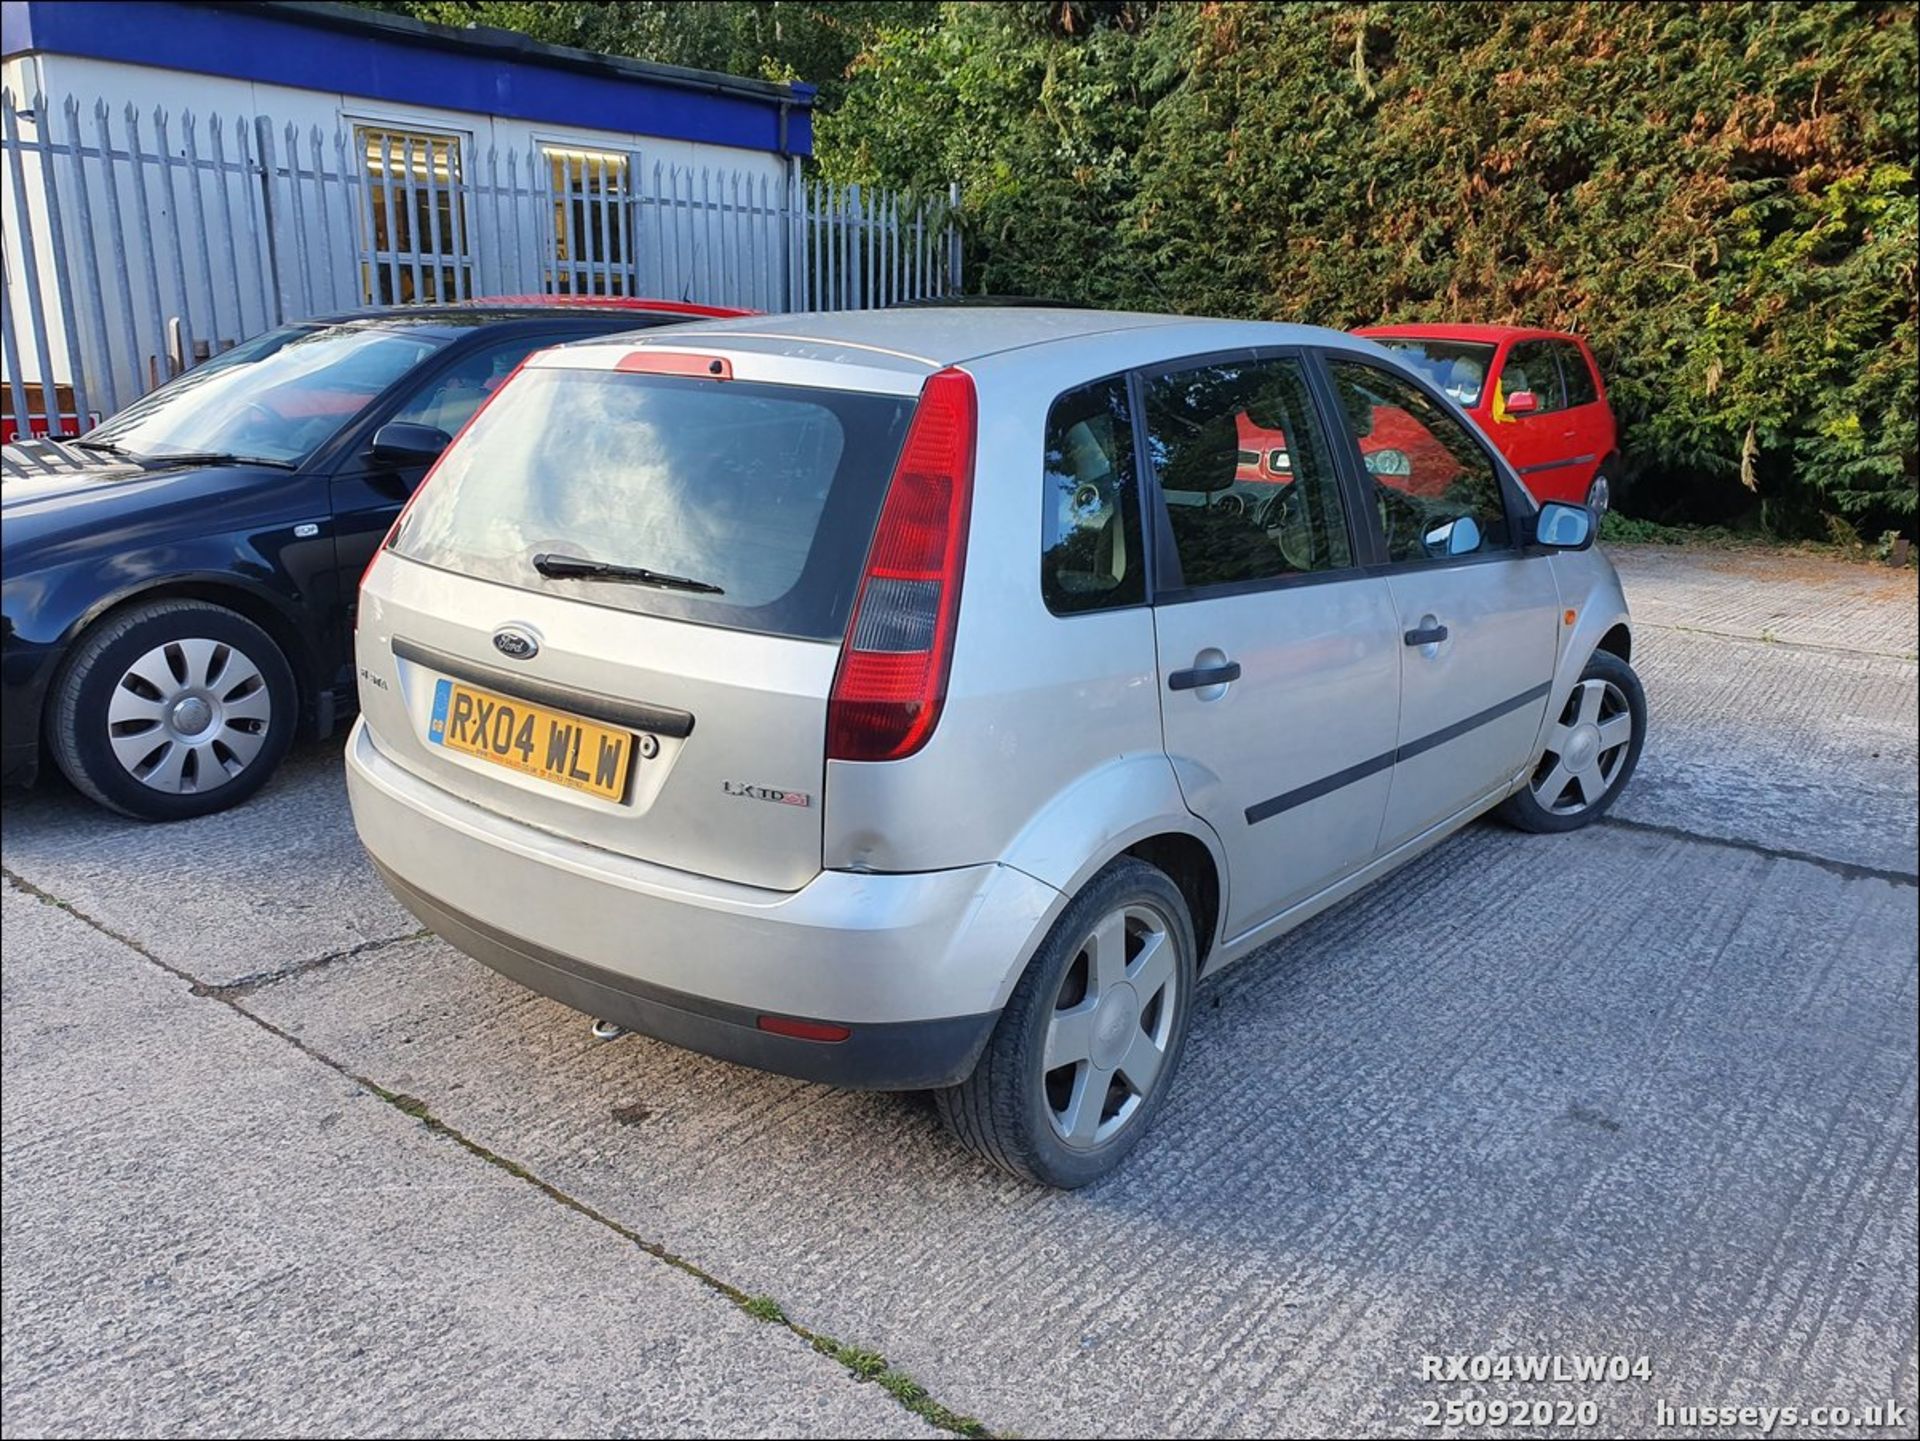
x,y
1090,518
1578,374
1245,474
278,397
449,399
1436,489
1530,367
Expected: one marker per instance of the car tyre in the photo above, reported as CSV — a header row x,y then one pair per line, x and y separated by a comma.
x,y
172,709
1083,1055
1592,748
1600,496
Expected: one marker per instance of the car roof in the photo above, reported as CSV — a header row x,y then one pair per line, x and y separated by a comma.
x,y
1489,334
919,339
460,315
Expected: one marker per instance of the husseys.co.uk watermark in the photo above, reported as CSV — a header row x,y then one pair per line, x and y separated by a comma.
x,y
1887,1415
1535,1410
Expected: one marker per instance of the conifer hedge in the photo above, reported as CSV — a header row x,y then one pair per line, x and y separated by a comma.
x,y
1721,197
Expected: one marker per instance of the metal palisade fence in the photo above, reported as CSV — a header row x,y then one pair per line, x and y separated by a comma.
x,y
137,245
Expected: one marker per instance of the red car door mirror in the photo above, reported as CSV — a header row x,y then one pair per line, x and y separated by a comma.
x,y
1522,402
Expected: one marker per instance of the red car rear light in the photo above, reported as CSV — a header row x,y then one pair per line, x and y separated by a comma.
x,y
892,678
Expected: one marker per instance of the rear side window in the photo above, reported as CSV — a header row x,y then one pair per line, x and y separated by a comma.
x,y
1459,367
1090,516
1530,366
1244,471
1436,491
1578,374
769,492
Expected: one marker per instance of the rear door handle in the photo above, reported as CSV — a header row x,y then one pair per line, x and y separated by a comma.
x,y
1204,675
1427,635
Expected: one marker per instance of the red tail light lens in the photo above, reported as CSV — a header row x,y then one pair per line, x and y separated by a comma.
x,y
892,679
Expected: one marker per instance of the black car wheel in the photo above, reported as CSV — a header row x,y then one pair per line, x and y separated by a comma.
x,y
172,709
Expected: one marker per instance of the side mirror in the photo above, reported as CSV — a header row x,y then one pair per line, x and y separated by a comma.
x,y
1456,537
1522,402
401,443
1564,526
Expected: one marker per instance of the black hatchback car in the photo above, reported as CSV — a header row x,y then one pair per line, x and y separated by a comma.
x,y
179,583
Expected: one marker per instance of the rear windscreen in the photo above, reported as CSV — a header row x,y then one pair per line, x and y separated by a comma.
x,y
769,492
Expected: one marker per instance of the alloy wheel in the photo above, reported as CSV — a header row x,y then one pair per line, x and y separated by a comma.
x,y
1112,1021
1586,749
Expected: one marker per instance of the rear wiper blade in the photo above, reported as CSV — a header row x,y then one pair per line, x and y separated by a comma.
x,y
573,567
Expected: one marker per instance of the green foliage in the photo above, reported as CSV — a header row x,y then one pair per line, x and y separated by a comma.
x,y
764,1308
1720,196
1618,529
767,39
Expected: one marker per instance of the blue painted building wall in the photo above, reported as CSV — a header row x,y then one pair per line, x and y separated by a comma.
x,y
326,48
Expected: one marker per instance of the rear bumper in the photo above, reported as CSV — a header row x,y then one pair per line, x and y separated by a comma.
x,y
890,1056
915,966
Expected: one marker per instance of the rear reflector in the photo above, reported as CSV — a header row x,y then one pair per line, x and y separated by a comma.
x,y
803,1030
892,679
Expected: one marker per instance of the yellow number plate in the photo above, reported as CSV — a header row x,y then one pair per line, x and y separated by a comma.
x,y
549,744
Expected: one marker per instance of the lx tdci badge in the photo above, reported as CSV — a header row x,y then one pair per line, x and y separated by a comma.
x,y
766,793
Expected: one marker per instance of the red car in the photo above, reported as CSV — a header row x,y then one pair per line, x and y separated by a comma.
x,y
1396,447
1536,393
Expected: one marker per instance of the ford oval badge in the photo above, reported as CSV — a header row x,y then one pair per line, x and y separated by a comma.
x,y
515,643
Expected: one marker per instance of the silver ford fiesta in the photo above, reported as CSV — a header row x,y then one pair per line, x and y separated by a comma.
x,y
933,698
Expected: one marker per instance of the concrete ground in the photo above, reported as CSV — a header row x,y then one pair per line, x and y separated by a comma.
x,y
276,1163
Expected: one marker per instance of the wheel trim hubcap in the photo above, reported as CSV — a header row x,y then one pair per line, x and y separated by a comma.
x,y
1112,1021
1586,749
189,716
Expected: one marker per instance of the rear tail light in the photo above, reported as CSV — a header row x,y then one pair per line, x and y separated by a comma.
x,y
892,678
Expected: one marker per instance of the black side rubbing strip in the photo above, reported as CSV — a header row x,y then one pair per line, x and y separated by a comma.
x,y
1459,728
1554,464
637,715
1312,791
1327,785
